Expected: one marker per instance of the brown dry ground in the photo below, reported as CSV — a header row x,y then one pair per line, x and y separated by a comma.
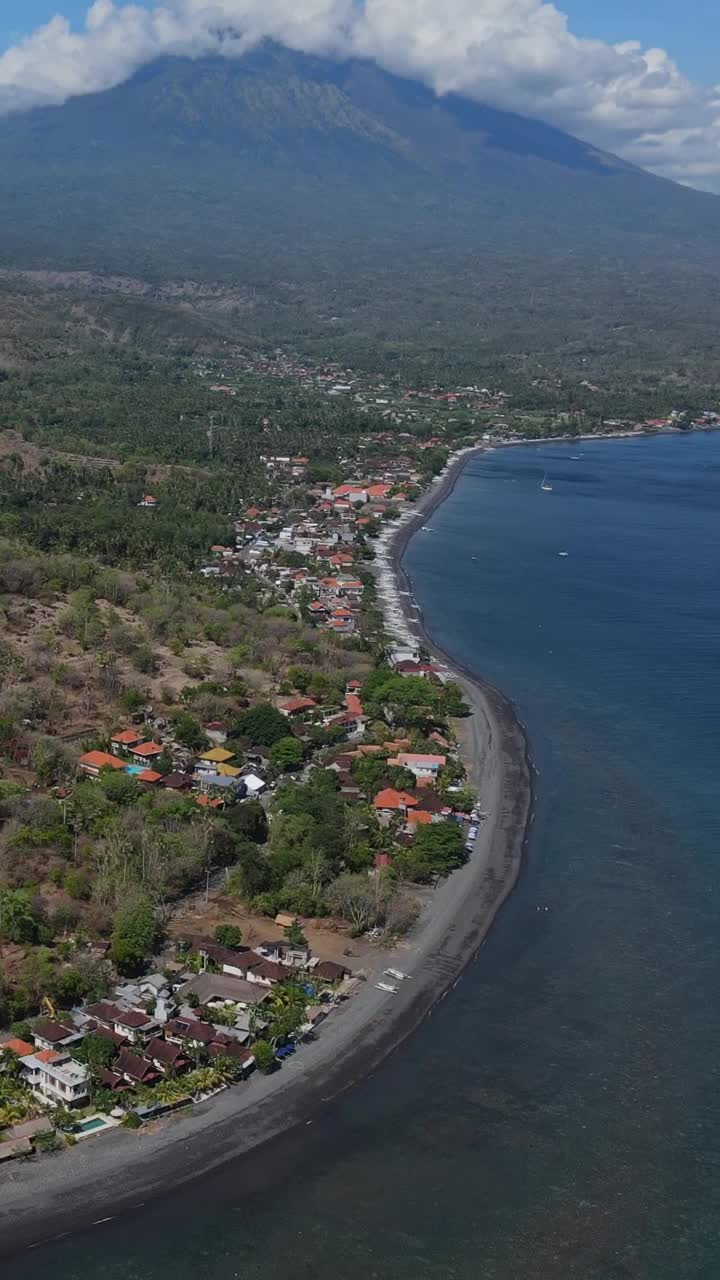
x,y
32,632
328,938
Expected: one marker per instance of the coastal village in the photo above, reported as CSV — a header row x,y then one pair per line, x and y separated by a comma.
x,y
287,810
493,414
212,994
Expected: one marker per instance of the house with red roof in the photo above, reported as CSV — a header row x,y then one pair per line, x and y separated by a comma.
x,y
146,751
343,585
353,494
149,777
92,762
389,803
20,1048
124,740
294,706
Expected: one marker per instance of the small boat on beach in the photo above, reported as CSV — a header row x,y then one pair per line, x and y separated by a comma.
x,y
397,974
387,986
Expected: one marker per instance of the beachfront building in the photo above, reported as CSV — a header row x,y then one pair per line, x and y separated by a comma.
x,y
423,766
56,1078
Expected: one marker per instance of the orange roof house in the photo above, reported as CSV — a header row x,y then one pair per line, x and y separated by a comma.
x,y
294,705
127,737
419,817
20,1048
146,750
390,799
93,761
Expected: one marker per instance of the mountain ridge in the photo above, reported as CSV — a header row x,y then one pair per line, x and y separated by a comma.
x,y
362,212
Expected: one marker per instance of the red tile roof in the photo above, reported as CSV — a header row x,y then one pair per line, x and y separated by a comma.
x,y
19,1047
147,749
149,775
100,760
298,704
392,799
127,735
343,490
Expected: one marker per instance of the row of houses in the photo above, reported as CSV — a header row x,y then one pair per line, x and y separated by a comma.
x,y
154,1026
212,775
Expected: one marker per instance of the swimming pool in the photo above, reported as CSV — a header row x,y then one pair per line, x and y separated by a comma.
x,y
93,1124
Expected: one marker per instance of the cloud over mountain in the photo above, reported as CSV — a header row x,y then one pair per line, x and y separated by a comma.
x,y
515,54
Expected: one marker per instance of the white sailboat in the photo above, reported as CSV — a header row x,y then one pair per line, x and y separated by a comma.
x,y
546,488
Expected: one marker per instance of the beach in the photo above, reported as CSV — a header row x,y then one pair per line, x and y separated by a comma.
x,y
109,1176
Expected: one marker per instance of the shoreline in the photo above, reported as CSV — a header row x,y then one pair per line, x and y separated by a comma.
x,y
55,1196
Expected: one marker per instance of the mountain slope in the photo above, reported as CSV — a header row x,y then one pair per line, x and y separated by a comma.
x,y
362,215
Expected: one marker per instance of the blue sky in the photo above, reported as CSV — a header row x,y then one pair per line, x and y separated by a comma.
x,y
690,32
635,77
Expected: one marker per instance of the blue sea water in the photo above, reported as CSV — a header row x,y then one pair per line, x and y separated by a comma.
x,y
557,1116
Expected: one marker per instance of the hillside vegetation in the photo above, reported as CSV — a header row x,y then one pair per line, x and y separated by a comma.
x,y
351,214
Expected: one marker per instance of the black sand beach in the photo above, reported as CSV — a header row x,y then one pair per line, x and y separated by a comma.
x,y
109,1176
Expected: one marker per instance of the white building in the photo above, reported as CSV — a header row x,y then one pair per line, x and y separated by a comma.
x,y
57,1077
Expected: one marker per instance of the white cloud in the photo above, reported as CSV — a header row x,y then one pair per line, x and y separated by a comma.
x,y
516,54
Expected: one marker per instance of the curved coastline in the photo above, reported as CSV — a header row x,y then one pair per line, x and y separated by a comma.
x,y
121,1171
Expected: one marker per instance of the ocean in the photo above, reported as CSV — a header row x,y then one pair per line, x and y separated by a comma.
x,y
557,1115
